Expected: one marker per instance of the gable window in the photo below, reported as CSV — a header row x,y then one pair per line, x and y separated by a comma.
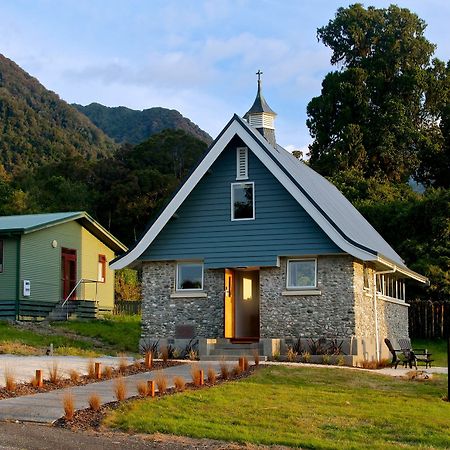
x,y
301,273
101,274
1,255
241,163
189,276
242,201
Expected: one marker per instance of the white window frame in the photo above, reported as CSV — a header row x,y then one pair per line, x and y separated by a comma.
x,y
299,288
232,201
2,260
238,152
187,263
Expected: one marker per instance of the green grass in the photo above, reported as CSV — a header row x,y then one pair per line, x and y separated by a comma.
x,y
438,348
306,407
19,341
119,332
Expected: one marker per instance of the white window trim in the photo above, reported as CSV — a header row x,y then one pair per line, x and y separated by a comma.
x,y
200,263
3,256
300,288
232,201
238,150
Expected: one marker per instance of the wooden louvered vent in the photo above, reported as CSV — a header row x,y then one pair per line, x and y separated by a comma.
x,y
242,163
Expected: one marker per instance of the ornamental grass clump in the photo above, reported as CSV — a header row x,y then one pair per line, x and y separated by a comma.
x,y
95,402
142,388
54,374
74,376
245,363
179,383
291,354
196,375
10,380
256,357
107,372
68,405
224,370
164,353
120,389
236,370
306,357
123,364
161,382
211,375
91,369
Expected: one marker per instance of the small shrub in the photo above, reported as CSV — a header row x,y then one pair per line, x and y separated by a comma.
x,y
306,357
291,354
120,389
150,347
211,375
180,384
316,347
190,349
366,364
224,370
196,375
161,381
91,369
236,370
276,355
10,380
95,402
256,357
142,388
107,372
326,359
68,405
193,355
341,361
335,347
123,364
74,376
54,375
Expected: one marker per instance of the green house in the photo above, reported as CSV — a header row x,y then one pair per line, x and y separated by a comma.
x,y
55,265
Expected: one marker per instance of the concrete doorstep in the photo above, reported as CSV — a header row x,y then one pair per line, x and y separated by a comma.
x,y
47,407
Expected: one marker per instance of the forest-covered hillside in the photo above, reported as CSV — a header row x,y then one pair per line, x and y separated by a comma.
x,y
37,127
126,125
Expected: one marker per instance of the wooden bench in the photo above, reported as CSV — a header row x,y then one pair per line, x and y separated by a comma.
x,y
417,355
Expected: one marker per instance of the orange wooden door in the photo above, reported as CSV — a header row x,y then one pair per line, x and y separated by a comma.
x,y
229,304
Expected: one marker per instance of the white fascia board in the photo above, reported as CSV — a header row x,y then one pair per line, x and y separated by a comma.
x,y
403,270
180,197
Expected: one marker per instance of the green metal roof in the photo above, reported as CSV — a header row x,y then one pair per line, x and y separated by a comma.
x,y
28,223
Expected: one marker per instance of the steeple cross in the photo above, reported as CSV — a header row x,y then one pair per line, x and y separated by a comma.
x,y
259,73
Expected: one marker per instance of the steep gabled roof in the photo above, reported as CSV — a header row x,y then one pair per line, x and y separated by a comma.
x,y
327,206
29,223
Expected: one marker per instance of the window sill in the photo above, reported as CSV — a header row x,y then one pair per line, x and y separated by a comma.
x,y
298,292
191,294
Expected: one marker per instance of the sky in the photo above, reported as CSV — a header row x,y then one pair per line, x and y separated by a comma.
x,y
196,56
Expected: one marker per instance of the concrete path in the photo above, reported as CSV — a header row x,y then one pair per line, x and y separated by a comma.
x,y
24,367
47,407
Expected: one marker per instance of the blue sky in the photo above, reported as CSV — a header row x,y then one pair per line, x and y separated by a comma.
x,y
197,56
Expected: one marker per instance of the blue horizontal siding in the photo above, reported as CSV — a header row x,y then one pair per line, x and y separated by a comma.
x,y
202,227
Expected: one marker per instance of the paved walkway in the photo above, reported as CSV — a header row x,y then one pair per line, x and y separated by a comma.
x,y
47,407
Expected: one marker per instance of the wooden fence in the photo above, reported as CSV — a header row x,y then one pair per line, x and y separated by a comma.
x,y
429,319
127,307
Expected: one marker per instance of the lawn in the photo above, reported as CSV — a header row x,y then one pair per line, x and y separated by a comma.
x,y
305,407
437,347
113,335
119,332
20,341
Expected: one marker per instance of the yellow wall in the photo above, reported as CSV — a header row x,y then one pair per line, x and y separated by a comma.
x,y
91,248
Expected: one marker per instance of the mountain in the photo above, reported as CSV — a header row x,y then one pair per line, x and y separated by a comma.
x,y
133,126
37,127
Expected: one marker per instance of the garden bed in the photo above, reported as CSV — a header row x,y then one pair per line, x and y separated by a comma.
x,y
61,383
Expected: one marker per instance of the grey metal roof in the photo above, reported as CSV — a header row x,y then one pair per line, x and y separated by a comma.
x,y
332,203
259,105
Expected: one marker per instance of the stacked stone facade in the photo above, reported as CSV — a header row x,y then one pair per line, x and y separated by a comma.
x,y
341,307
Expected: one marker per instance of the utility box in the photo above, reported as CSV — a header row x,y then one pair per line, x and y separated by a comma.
x,y
26,288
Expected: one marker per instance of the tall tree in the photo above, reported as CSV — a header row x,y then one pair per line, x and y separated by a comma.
x,y
373,113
